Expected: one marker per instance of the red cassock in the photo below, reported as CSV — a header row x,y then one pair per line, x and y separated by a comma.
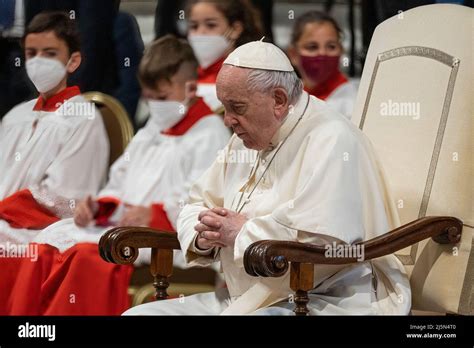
x,y
323,91
67,283
209,75
20,210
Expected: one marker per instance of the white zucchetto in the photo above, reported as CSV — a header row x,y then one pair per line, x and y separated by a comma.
x,y
259,55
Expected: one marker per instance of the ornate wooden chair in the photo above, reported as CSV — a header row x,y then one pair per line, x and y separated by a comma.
x,y
116,122
422,56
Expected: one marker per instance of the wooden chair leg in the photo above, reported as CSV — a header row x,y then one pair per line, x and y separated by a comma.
x,y
161,268
301,281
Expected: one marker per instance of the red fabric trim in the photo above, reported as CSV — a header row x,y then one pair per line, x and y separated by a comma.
x,y
21,210
159,219
53,103
76,282
196,111
107,206
324,91
209,75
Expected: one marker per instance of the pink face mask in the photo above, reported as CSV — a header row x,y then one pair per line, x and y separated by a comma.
x,y
320,68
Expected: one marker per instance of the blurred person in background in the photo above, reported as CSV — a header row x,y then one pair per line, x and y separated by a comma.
x,y
315,51
216,28
167,16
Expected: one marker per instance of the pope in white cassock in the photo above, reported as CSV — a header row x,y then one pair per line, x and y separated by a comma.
x,y
315,179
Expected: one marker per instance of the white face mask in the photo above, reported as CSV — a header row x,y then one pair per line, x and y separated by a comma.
x,y
166,114
45,73
208,48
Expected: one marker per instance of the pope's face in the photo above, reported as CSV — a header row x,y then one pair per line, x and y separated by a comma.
x,y
253,116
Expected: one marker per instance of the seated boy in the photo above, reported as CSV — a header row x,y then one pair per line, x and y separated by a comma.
x,y
53,150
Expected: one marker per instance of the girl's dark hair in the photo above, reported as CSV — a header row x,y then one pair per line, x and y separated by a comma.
x,y
59,23
312,17
237,11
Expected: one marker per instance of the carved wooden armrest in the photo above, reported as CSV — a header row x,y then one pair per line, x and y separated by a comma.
x,y
269,258
120,245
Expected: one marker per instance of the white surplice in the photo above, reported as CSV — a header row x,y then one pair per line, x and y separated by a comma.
x,y
208,92
155,168
343,98
65,157
324,184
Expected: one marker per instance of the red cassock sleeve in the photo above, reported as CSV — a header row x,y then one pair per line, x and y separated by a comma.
x,y
159,219
21,210
107,206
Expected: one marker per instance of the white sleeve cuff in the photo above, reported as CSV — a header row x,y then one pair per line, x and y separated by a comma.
x,y
194,248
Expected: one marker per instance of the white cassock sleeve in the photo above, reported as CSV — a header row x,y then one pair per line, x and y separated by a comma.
x,y
331,196
201,155
80,167
205,194
344,97
133,155
118,171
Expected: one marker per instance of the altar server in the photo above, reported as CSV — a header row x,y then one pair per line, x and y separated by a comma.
x,y
53,150
316,51
216,28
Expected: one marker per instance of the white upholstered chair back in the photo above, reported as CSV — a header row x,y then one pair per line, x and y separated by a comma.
x,y
415,103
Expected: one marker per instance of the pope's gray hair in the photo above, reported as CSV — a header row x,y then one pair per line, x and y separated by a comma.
x,y
265,81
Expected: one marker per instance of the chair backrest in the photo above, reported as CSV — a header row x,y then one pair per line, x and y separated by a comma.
x,y
116,121
415,103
